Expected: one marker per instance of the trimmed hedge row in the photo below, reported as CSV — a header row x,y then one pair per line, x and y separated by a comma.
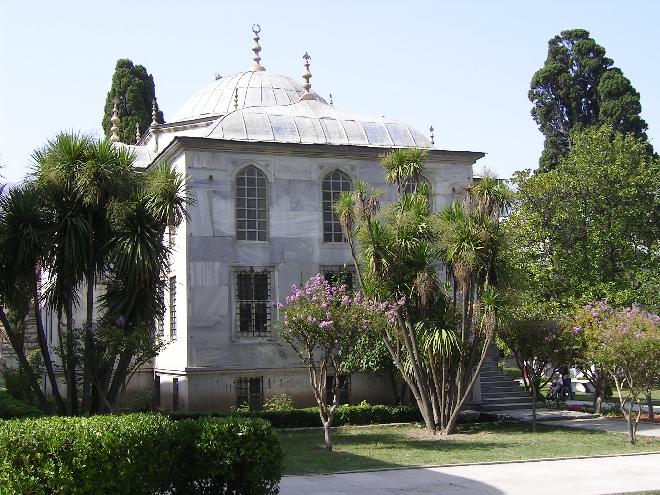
x,y
309,417
139,454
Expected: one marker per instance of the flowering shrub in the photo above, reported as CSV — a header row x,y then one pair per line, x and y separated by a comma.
x,y
322,323
584,331
625,344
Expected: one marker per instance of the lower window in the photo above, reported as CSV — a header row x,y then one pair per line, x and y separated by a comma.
x,y
253,306
250,392
344,392
339,275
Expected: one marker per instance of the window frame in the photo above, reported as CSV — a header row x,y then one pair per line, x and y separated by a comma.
x,y
243,388
272,313
334,222
260,174
172,307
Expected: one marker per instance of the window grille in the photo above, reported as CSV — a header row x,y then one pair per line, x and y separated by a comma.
x,y
420,186
175,394
337,276
344,392
253,305
251,205
249,392
333,185
172,308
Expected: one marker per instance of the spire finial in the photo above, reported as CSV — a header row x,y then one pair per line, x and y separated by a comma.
x,y
256,29
331,102
235,99
307,95
137,133
307,75
154,114
114,137
432,136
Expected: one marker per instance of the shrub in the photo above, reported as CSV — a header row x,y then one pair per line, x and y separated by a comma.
x,y
279,402
138,454
14,408
363,414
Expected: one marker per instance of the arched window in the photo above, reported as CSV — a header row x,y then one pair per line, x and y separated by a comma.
x,y
420,186
334,184
251,205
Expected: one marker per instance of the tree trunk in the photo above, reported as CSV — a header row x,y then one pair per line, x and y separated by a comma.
x,y
24,364
598,402
453,418
43,345
71,386
649,404
326,436
533,383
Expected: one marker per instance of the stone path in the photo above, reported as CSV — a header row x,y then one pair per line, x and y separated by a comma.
x,y
593,476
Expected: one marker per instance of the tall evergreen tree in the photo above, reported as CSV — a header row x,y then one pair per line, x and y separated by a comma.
x,y
134,90
578,87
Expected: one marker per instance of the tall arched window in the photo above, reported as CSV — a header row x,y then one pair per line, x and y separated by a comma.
x,y
420,186
334,184
251,205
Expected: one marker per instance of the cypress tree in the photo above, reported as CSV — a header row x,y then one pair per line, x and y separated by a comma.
x,y
133,88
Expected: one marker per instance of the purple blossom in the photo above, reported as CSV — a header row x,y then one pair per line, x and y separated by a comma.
x,y
326,324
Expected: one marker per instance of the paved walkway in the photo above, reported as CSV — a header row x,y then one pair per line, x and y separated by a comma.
x,y
576,419
594,476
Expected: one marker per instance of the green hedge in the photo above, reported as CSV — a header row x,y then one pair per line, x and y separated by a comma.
x,y
309,417
138,454
14,408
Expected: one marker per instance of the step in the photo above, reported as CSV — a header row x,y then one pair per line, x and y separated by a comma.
x,y
506,400
493,386
507,393
498,379
502,407
494,372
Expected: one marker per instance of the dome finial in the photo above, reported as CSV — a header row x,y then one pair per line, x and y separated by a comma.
x,y
137,133
256,29
235,99
432,136
154,114
114,137
307,95
331,102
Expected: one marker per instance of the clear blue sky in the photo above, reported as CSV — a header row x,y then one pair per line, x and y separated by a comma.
x,y
464,67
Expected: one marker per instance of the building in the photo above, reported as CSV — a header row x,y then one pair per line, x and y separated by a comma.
x,y
266,156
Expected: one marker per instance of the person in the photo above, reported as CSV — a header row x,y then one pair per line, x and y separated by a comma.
x,y
566,380
556,386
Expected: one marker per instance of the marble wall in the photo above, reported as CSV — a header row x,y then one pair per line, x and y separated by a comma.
x,y
209,352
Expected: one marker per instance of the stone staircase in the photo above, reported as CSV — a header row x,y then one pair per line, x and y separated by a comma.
x,y
499,391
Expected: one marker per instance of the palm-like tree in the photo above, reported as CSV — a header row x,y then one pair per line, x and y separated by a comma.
x,y
437,349
108,226
25,237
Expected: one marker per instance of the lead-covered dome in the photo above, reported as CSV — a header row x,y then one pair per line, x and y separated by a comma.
x,y
238,91
315,122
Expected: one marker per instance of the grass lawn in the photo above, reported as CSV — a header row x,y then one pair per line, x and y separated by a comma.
x,y
378,447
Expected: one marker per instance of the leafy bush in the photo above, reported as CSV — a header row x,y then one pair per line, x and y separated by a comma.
x,y
139,454
16,381
363,414
279,402
14,408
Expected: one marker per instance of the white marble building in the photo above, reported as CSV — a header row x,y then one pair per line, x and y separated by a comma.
x,y
265,156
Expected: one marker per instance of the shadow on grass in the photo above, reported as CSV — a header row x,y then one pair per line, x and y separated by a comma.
x,y
388,447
